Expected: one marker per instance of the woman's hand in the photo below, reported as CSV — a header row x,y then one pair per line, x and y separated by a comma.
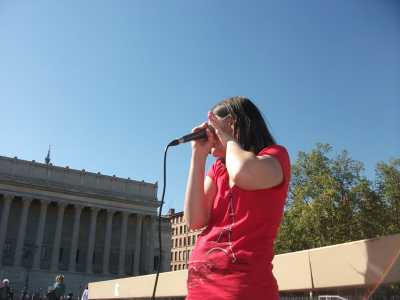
x,y
203,147
223,128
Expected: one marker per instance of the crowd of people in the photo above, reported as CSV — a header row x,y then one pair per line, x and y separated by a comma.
x,y
56,292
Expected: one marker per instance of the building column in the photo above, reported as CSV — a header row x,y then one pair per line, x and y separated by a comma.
x,y
138,238
40,232
55,256
26,202
75,238
122,247
4,222
92,239
150,262
107,241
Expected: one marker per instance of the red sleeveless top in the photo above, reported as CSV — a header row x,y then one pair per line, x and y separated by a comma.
x,y
232,258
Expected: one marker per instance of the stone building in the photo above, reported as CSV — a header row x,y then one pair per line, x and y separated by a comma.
x,y
183,240
84,225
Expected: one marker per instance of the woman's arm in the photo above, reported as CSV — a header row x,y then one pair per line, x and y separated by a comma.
x,y
200,189
251,172
200,192
245,169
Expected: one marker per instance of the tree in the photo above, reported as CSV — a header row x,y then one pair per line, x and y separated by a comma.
x,y
388,189
330,202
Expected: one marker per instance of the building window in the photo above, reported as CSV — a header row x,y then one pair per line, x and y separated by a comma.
x,y
61,255
156,262
193,239
7,248
176,255
44,253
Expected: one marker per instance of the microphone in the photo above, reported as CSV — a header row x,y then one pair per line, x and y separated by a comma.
x,y
200,134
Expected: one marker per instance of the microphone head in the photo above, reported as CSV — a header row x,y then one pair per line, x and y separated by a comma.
x,y
197,135
200,134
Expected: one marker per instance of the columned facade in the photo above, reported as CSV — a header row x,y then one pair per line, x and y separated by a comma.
x,y
7,200
26,202
107,241
75,237
4,222
73,222
40,232
122,247
138,238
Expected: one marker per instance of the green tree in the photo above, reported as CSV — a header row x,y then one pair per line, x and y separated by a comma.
x,y
388,188
330,202
370,211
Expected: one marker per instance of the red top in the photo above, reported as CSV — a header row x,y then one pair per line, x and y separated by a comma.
x,y
232,258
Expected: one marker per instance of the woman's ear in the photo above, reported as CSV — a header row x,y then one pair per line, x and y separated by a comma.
x,y
230,121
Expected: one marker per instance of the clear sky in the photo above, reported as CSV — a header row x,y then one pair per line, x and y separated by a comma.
x,y
109,83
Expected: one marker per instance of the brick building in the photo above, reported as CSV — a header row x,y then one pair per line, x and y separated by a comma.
x,y
182,240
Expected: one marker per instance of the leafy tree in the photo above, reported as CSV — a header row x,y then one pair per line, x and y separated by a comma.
x,y
330,202
388,189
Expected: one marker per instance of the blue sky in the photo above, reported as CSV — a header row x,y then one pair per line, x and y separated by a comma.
x,y
109,83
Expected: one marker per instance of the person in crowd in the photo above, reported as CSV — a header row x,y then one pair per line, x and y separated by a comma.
x,y
5,290
57,292
85,294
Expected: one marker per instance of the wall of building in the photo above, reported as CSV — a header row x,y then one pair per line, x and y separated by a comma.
x,y
182,241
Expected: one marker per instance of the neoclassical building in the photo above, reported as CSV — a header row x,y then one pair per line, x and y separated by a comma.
x,y
84,225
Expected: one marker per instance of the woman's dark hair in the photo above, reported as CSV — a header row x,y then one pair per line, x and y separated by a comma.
x,y
250,129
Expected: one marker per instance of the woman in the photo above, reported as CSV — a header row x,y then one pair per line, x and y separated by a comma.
x,y
239,202
58,290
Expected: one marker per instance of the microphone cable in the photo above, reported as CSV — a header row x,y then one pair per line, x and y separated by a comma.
x,y
173,143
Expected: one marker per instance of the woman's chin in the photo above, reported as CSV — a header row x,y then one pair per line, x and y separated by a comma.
x,y
217,153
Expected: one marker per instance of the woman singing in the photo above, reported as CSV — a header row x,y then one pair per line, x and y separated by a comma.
x,y
239,202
